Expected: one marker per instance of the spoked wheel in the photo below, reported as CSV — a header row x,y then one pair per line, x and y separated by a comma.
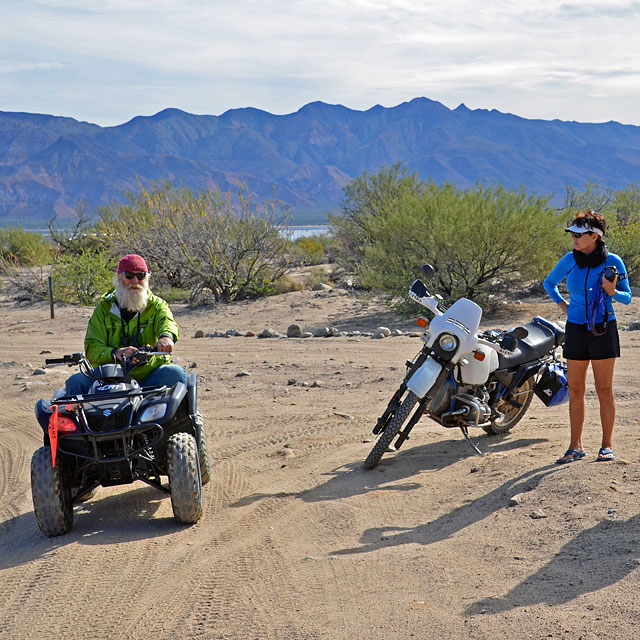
x,y
391,431
509,415
51,498
185,482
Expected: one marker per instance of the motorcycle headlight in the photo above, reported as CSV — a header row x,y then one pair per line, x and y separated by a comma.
x,y
447,342
154,412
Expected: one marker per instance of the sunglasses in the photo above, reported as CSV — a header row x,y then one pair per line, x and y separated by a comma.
x,y
130,275
575,234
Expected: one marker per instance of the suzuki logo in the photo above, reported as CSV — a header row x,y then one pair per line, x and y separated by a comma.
x,y
107,412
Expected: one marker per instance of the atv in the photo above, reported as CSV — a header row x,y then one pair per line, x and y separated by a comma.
x,y
117,433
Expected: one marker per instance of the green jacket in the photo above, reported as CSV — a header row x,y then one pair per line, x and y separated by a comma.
x,y
104,331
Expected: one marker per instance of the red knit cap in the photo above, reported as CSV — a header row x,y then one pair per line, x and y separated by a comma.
x,y
132,262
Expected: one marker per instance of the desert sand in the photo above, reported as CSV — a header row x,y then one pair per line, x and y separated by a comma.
x,y
298,541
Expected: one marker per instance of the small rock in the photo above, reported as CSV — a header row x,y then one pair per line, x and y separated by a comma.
x,y
379,336
38,372
193,365
321,286
537,514
267,333
634,325
306,334
242,374
294,331
250,334
291,381
45,351
343,415
385,330
50,333
199,334
316,383
515,500
612,511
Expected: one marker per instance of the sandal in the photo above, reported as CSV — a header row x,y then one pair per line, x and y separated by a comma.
x,y
605,455
571,455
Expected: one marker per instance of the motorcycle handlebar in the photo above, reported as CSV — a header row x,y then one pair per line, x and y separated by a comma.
x,y
69,359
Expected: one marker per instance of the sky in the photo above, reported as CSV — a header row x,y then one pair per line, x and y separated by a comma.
x,y
106,62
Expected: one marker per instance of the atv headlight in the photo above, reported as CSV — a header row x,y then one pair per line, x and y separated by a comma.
x,y
447,342
154,412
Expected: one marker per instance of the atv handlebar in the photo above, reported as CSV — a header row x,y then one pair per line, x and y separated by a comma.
x,y
70,359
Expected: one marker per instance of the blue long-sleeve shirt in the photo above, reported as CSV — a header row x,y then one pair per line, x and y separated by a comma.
x,y
580,283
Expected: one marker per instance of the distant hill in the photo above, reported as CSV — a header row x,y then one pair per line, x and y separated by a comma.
x,y
50,164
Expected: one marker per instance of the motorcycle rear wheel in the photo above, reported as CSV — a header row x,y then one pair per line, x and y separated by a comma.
x,y
510,415
391,431
51,498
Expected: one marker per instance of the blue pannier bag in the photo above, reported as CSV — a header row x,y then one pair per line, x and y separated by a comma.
x,y
553,387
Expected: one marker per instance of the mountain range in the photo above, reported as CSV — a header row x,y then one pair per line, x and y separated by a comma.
x,y
51,165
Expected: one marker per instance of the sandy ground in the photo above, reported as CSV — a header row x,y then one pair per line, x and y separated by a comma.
x,y
298,541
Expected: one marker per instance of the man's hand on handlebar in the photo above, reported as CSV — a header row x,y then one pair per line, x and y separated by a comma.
x,y
164,344
125,353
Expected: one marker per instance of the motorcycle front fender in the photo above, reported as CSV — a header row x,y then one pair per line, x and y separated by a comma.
x,y
424,378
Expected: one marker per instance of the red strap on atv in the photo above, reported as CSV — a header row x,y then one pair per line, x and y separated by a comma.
x,y
53,434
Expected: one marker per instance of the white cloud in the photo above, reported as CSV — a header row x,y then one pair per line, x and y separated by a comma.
x,y
118,58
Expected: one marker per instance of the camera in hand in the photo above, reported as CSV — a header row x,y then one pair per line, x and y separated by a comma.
x,y
610,273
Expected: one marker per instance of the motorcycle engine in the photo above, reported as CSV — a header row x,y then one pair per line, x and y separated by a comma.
x,y
477,410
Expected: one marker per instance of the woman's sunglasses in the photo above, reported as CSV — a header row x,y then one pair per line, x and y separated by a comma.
x,y
130,275
575,234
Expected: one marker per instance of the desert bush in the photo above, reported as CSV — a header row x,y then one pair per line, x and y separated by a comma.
x,y
480,240
316,276
311,250
19,247
286,284
206,242
83,277
25,284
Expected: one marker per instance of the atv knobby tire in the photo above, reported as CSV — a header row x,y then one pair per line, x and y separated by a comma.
x,y
392,429
185,482
203,449
51,499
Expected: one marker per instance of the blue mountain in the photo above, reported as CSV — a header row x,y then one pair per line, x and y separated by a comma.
x,y
51,165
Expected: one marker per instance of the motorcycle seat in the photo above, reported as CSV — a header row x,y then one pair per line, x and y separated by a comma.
x,y
539,341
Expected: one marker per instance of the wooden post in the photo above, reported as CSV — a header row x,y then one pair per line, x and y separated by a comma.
x,y
51,297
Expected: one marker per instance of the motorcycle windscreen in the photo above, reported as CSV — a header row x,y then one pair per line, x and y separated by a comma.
x,y
462,319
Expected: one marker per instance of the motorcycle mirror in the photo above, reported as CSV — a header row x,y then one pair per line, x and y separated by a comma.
x,y
427,271
419,289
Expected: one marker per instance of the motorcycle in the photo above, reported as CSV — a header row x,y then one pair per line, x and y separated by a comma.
x,y
117,433
462,378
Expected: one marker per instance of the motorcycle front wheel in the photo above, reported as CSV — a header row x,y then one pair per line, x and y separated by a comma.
x,y
508,415
391,431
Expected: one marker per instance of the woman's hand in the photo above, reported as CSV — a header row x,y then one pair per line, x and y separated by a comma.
x,y
609,286
564,306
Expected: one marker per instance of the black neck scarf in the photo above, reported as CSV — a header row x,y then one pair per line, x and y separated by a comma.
x,y
593,259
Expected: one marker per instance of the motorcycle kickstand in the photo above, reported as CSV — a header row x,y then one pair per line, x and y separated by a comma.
x,y
465,433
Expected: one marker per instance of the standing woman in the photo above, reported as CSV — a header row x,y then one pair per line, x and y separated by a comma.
x,y
584,269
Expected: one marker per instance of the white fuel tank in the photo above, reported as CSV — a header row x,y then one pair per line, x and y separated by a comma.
x,y
478,371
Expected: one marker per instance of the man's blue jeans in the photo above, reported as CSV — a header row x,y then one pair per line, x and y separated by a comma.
x,y
167,374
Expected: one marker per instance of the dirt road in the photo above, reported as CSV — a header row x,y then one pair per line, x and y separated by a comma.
x,y
298,541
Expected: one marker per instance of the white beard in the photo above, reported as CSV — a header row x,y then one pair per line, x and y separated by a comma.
x,y
131,299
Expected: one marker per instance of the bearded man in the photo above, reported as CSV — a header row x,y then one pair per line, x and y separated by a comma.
x,y
128,317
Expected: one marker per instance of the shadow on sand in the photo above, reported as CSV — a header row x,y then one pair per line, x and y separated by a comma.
x,y
124,517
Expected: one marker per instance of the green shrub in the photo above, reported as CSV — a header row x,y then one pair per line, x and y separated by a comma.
x,y
311,249
83,277
23,248
316,276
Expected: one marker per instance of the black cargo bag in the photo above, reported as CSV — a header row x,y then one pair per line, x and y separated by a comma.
x,y
553,388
